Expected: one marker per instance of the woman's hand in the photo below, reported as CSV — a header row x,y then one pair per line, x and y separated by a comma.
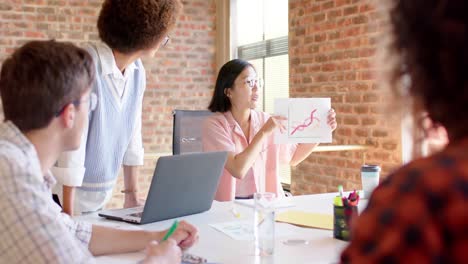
x,y
166,252
331,119
274,122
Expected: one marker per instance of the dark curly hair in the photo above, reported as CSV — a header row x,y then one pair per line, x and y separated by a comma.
x,y
430,45
128,26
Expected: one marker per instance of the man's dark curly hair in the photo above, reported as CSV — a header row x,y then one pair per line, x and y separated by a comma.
x,y
430,42
131,25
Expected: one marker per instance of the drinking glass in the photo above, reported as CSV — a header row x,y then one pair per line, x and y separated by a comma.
x,y
264,223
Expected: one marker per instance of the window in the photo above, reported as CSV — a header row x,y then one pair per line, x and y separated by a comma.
x,y
260,36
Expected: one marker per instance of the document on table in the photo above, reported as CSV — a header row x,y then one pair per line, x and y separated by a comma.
x,y
243,230
306,219
279,203
307,120
237,230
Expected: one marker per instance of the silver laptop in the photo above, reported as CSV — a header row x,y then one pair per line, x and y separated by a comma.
x,y
181,185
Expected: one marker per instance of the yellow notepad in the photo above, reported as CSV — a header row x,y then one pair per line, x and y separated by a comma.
x,y
306,219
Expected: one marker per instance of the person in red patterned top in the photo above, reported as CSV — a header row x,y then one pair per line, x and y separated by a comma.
x,y
419,214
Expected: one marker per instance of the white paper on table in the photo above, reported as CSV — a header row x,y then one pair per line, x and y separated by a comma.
x,y
307,120
237,230
278,204
243,230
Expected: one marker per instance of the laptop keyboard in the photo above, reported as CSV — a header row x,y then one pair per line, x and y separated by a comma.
x,y
139,214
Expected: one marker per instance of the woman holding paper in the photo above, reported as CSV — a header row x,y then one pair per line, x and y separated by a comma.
x,y
248,135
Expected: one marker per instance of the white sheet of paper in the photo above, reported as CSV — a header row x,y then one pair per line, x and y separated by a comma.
x,y
237,230
243,230
307,120
279,203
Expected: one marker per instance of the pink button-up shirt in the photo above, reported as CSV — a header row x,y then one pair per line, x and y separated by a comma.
x,y
221,132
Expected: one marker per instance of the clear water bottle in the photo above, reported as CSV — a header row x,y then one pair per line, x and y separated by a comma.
x,y
370,177
264,224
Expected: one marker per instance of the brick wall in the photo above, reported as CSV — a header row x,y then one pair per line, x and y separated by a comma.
x,y
332,51
182,74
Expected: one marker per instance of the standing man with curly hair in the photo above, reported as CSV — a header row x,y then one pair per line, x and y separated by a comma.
x,y
129,30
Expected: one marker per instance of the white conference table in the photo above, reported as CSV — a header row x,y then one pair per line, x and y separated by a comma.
x,y
217,247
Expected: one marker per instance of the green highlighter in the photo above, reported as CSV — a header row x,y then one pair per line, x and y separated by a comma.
x,y
171,230
338,200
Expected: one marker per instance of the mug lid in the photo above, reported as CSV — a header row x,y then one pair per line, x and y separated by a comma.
x,y
370,168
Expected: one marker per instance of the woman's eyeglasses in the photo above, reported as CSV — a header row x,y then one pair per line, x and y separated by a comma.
x,y
254,82
92,99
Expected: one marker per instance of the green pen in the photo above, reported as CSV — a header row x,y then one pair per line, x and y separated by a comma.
x,y
340,190
171,230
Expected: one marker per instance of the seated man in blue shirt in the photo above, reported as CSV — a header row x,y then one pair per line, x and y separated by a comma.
x,y
46,97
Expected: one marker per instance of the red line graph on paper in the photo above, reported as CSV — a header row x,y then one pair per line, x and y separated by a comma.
x,y
306,123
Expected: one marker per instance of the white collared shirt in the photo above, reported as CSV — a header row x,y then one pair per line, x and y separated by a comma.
x,y
70,168
32,227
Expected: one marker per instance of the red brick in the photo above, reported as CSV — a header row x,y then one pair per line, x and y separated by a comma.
x,y
336,98
390,146
351,120
30,34
328,5
353,98
343,44
25,8
352,32
361,109
369,121
334,14
319,18
350,10
339,3
344,109
360,132
337,77
321,78
366,8
343,131
45,10
329,67
371,98
380,133
320,37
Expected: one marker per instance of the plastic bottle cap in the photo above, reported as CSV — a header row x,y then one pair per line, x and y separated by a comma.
x,y
370,168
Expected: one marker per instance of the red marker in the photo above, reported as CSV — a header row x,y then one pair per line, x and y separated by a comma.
x,y
353,198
